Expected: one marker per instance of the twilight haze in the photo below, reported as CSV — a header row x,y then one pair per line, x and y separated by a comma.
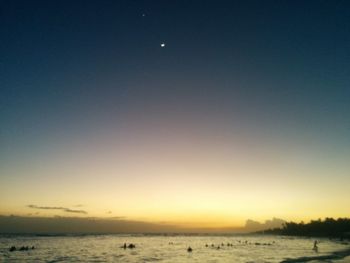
x,y
194,114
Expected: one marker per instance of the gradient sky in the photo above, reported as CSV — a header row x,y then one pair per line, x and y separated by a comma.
x,y
245,113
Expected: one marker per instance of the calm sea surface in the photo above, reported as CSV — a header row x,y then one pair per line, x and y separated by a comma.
x,y
107,248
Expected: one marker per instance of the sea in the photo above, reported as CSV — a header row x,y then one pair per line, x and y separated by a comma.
x,y
170,248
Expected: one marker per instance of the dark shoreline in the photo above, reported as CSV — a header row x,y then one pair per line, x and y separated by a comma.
x,y
327,228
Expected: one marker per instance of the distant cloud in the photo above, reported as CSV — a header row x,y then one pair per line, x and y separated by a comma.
x,y
74,211
46,207
253,225
64,209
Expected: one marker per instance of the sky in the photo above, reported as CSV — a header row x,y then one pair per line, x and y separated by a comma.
x,y
199,114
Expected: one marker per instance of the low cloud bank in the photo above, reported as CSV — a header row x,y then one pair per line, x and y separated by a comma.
x,y
112,225
76,225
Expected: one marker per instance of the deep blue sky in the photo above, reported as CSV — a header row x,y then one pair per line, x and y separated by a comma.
x,y
74,65
243,114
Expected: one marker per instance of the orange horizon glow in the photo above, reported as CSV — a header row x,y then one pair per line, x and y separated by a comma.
x,y
195,179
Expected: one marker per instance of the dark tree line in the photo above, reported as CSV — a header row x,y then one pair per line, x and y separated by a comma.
x,y
329,227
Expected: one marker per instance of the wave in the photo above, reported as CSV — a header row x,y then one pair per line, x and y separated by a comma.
x,y
333,256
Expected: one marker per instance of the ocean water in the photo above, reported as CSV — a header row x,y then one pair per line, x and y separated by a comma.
x,y
160,248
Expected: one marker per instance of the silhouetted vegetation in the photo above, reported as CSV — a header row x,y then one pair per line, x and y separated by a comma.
x,y
329,227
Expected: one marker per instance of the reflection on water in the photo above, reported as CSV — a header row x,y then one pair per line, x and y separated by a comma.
x,y
109,248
